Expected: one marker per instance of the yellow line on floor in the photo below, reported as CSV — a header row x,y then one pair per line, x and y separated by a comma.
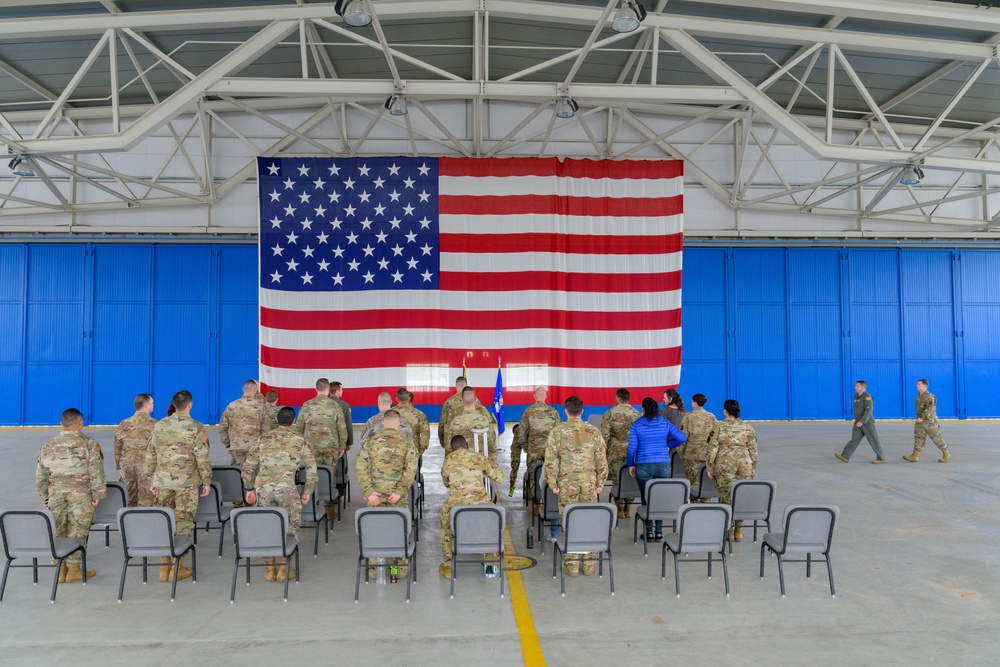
x,y
531,647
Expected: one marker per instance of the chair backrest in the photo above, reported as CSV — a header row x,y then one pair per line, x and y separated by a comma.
x,y
259,527
677,466
809,528
588,526
550,501
231,480
702,528
751,499
108,506
146,528
595,420
341,473
27,530
706,485
478,528
537,474
324,483
628,486
665,496
383,531
210,506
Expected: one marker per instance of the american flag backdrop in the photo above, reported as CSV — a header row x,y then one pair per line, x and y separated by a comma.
x,y
392,271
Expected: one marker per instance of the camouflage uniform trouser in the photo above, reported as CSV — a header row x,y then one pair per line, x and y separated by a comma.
x,y
924,430
184,503
402,563
693,460
278,494
728,469
139,494
616,457
73,513
515,462
326,457
576,493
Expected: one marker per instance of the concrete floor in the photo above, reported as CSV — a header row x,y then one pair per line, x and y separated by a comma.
x,y
914,560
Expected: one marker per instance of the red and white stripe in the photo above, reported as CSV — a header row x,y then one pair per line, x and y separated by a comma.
x,y
570,272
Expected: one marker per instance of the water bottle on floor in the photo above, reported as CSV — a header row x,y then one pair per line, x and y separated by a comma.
x,y
381,578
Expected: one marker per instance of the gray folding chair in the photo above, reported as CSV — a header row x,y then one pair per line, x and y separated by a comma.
x,y
478,530
626,489
420,482
701,530
230,478
326,489
32,534
106,512
808,529
677,466
314,511
706,489
151,532
751,501
663,498
528,481
384,532
343,479
548,510
595,420
586,528
262,532
413,499
210,510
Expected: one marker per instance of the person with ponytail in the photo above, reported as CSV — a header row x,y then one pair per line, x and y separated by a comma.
x,y
732,455
648,457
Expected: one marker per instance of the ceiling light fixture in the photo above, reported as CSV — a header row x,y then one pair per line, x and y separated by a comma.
x,y
396,105
354,12
21,167
566,107
912,175
629,16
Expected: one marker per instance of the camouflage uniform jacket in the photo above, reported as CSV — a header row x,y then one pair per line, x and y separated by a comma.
x,y
275,460
536,423
71,462
452,408
863,406
926,408
132,440
463,425
463,473
616,425
374,426
321,423
242,423
699,426
271,416
734,438
574,453
421,427
177,457
387,464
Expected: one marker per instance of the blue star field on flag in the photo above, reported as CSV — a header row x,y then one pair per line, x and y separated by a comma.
x,y
348,224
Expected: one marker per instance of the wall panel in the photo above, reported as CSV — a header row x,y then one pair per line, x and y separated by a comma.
x,y
704,367
761,358
13,290
876,320
980,314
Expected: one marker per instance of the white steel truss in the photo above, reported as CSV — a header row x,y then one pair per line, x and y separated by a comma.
x,y
139,125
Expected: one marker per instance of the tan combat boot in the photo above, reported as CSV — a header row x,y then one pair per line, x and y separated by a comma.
x,y
945,456
270,574
75,573
183,572
329,511
166,571
588,568
63,570
621,509
445,569
628,508
738,534
281,571
572,569
912,458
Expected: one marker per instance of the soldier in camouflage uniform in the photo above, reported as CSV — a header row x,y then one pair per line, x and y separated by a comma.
x,y
616,424
700,426
271,408
462,473
927,425
864,425
70,481
269,478
374,424
415,418
321,423
131,442
473,416
242,422
532,432
732,455
387,466
576,466
177,464
452,408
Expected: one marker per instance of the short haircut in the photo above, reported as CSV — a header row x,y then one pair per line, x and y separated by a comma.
x,y
574,406
142,400
271,396
335,387
923,382
468,390
390,415
732,407
459,442
70,417
623,394
384,397
286,416
182,400
249,384
322,385
699,399
461,378
862,383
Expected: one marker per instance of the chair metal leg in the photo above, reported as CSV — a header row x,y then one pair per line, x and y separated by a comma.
x,y
725,571
3,583
145,570
316,541
555,555
34,570
763,546
502,570
248,571
173,587
611,571
236,571
121,583
677,577
222,535
709,565
194,565
600,564
562,573
829,570
55,579
808,566
83,564
781,575
635,532
288,567
454,568
107,536
412,574
326,531
357,578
